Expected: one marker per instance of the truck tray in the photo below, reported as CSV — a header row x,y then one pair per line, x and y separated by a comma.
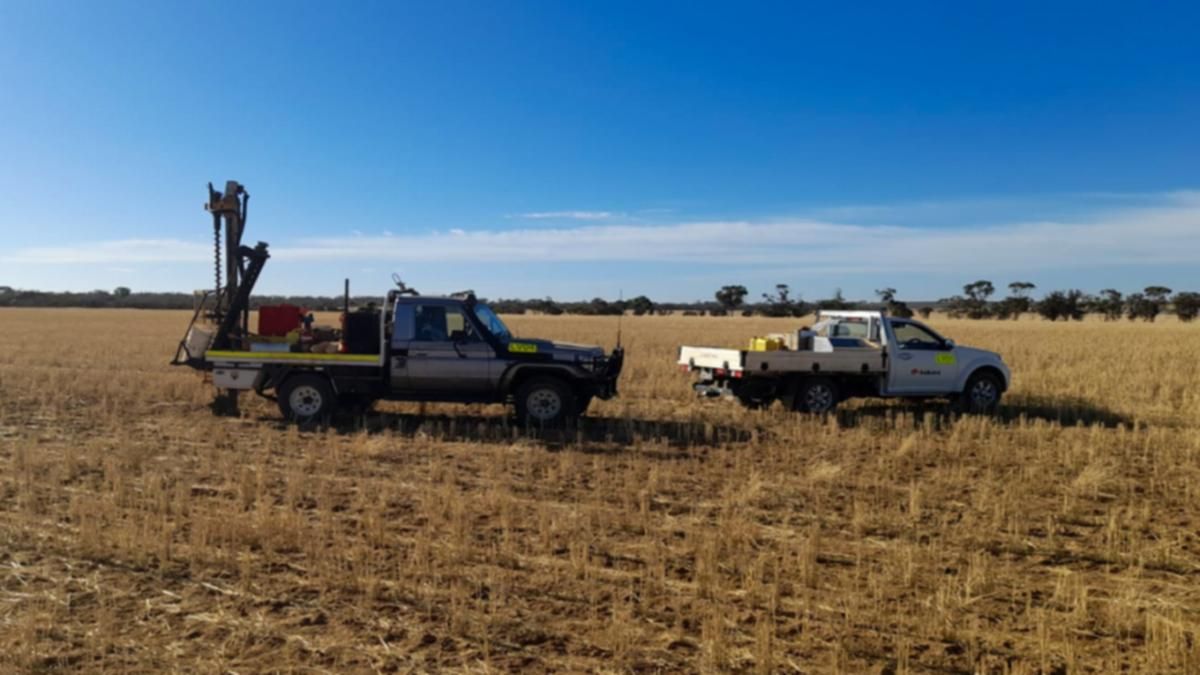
x,y
842,360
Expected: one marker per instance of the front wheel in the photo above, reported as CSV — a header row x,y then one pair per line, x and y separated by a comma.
x,y
982,394
306,398
546,402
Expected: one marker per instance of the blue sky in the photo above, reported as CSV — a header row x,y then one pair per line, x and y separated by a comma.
x,y
581,149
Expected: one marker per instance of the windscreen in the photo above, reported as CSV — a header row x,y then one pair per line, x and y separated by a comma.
x,y
493,322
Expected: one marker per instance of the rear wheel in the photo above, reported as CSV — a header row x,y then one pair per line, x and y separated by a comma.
x,y
816,395
545,401
982,394
306,398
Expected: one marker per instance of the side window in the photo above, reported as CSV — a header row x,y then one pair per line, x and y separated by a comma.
x,y
912,336
459,327
438,323
851,328
430,324
403,331
455,322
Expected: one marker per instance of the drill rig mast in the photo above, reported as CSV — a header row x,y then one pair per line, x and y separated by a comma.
x,y
242,263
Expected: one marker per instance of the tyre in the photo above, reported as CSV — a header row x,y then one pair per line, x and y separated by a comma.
x,y
306,398
981,395
545,402
817,395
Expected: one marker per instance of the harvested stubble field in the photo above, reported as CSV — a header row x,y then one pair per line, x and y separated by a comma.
x,y
140,534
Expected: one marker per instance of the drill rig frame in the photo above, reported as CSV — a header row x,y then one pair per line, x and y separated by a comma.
x,y
230,309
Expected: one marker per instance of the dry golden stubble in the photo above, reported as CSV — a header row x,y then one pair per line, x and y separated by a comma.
x,y
141,534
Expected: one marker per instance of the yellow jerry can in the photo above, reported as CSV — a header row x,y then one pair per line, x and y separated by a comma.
x,y
764,344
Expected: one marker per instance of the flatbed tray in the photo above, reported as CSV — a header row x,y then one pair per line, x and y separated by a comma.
x,y
842,360
778,362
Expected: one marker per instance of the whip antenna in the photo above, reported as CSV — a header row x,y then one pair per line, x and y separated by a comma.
x,y
621,313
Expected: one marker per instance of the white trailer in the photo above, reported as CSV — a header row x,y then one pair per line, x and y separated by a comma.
x,y
848,354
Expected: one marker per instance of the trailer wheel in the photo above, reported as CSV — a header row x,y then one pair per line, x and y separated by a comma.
x,y
306,398
545,402
817,395
981,395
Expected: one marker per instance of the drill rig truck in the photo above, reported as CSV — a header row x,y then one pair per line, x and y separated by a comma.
x,y
409,347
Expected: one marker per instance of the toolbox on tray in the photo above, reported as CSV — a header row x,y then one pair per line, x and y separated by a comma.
x,y
360,332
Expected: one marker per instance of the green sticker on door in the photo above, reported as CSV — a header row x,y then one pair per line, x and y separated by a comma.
x,y
945,359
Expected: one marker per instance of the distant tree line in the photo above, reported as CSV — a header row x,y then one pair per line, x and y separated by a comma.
x,y
1070,305
975,302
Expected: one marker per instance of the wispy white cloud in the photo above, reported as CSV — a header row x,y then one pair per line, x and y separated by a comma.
x,y
968,211
1160,234
568,215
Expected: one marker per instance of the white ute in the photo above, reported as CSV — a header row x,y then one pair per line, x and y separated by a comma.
x,y
848,354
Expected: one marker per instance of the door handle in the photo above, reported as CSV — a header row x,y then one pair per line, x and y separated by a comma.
x,y
419,354
904,356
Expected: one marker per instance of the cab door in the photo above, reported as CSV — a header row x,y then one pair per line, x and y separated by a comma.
x,y
402,336
447,357
922,361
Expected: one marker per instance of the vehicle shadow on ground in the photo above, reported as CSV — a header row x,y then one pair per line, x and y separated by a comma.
x,y
591,434
1066,411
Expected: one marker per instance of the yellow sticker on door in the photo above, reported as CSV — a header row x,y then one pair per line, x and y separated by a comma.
x,y
945,359
522,348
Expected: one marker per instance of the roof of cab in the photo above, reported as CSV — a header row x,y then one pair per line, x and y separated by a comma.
x,y
432,299
856,313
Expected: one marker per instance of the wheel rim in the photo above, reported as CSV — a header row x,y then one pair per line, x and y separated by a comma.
x,y
544,404
305,401
818,398
983,394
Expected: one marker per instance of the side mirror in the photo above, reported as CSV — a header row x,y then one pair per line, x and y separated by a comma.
x,y
948,344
